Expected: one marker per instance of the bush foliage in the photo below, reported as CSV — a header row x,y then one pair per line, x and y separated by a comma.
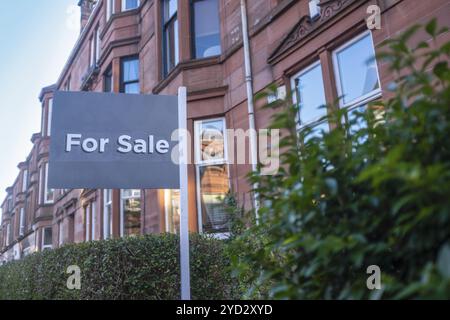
x,y
130,268
374,191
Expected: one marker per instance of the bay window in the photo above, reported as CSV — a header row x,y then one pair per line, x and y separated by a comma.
x,y
309,95
212,175
130,212
129,81
170,35
206,28
107,213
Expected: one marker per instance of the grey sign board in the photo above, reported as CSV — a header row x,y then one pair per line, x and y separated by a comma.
x,y
112,141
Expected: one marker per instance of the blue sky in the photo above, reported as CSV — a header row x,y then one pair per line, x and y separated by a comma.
x,y
36,38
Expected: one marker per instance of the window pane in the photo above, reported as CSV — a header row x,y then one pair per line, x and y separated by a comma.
x,y
131,4
311,95
173,211
108,81
357,75
131,216
170,8
171,49
213,189
130,70
47,236
212,140
207,28
132,88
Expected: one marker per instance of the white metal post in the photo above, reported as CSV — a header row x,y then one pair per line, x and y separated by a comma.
x,y
184,208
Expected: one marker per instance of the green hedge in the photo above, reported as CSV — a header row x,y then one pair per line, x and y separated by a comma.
x,y
144,267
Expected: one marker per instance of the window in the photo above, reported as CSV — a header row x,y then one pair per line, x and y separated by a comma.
x,y
130,212
24,180
310,96
22,222
206,28
93,220
129,82
356,71
170,35
41,184
60,234
49,193
108,80
8,234
110,8
87,223
67,86
43,120
107,213
47,241
172,210
212,175
92,51
97,44
49,116
129,4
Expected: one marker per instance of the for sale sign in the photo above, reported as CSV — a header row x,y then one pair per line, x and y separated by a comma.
x,y
103,140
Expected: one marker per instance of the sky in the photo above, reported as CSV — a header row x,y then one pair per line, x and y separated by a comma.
x,y
36,38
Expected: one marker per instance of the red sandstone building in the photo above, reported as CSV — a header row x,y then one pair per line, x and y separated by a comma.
x,y
317,49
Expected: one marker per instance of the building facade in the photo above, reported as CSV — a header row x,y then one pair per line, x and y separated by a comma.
x,y
316,50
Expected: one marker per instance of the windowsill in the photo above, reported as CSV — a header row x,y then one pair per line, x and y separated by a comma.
x,y
183,66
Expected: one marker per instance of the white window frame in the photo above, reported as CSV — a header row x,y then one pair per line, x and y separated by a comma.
x,y
205,163
47,200
364,99
122,198
22,222
198,159
25,180
49,116
43,245
302,72
107,220
124,5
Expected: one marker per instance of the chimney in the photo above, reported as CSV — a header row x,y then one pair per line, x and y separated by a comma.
x,y
86,7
